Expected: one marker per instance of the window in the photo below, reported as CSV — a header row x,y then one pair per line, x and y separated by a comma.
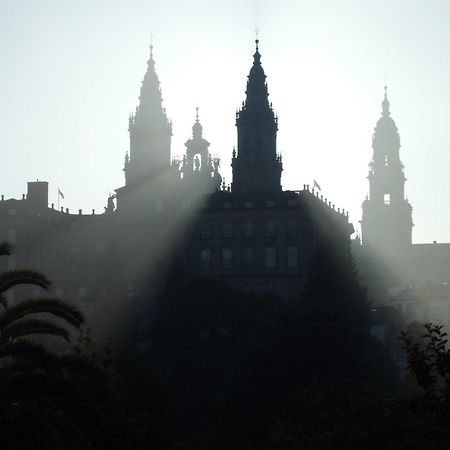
x,y
292,202
292,228
387,199
12,236
249,229
205,231
205,258
270,204
249,204
270,257
227,205
227,230
158,207
248,257
270,229
292,257
227,258
82,291
100,247
12,212
11,262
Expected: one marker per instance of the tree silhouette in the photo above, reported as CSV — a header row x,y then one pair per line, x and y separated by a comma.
x,y
49,399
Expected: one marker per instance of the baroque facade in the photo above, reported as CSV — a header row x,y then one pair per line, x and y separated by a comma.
x,y
253,233
387,259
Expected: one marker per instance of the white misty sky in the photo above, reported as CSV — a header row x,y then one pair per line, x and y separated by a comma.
x,y
70,74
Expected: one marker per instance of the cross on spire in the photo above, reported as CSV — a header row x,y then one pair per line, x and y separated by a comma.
x,y
151,44
256,30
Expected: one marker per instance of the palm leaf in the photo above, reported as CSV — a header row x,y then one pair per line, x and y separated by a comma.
x,y
3,301
27,327
53,306
12,278
24,348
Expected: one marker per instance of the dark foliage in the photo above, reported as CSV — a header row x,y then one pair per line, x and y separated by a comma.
x,y
240,370
429,361
52,396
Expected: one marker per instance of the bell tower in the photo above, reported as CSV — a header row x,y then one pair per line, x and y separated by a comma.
x,y
150,132
257,166
387,215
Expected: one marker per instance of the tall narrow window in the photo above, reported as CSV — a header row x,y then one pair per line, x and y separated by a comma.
x,y
292,228
292,256
227,258
100,247
270,228
205,231
227,230
270,257
248,257
387,199
249,229
12,262
158,207
205,259
12,236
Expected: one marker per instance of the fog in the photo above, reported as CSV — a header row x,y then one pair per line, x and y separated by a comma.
x,y
224,225
71,72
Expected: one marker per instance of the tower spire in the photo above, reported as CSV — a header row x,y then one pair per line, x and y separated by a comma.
x,y
257,167
385,104
150,129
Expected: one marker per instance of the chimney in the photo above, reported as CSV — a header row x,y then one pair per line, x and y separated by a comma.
x,y
37,195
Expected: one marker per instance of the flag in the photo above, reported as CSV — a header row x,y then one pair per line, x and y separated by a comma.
x,y
315,185
61,194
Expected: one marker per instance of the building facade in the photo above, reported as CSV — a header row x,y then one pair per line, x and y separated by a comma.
x,y
253,233
388,260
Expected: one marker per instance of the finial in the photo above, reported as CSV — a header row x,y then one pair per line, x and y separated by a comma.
x,y
256,37
385,103
151,45
196,114
256,30
151,61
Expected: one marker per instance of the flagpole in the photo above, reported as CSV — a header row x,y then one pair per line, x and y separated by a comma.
x,y
58,198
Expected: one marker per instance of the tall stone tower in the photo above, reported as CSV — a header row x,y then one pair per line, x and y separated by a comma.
x,y
387,215
256,167
150,132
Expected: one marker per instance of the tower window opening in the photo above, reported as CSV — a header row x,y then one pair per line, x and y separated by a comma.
x,y
197,162
387,199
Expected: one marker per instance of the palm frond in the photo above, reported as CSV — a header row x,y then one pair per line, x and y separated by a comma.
x,y
24,348
12,278
28,327
6,248
53,306
3,301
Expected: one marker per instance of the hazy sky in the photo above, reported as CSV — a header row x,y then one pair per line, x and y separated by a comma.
x,y
70,73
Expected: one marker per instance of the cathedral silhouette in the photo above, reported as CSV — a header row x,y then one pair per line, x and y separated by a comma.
x,y
179,214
